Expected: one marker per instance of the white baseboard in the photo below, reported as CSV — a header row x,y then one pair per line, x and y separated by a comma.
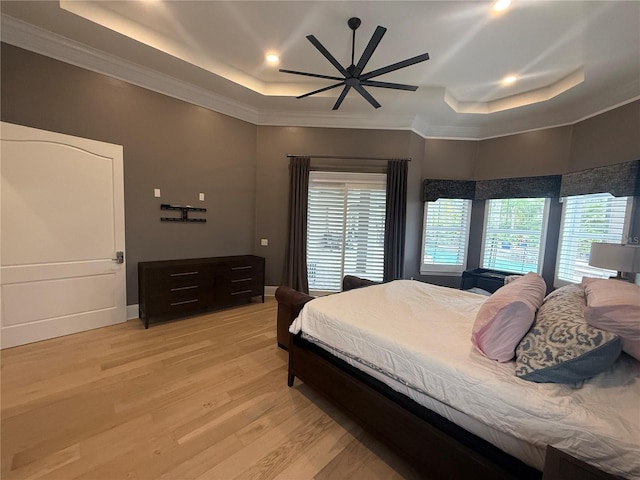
x,y
270,290
132,310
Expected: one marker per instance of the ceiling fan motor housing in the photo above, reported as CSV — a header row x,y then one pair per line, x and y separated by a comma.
x,y
354,23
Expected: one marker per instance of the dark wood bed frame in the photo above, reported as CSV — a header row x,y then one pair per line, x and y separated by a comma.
x,y
436,447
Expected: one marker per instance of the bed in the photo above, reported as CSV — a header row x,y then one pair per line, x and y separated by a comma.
x,y
457,415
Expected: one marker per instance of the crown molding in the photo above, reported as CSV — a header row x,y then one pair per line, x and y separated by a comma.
x,y
525,98
29,37
557,121
421,127
612,99
24,35
334,119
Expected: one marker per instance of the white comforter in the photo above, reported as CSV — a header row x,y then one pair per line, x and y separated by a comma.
x,y
420,333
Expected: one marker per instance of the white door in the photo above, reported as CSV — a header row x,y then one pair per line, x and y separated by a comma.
x,y
61,224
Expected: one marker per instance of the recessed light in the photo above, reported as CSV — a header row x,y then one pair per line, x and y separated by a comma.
x,y
509,80
272,59
501,5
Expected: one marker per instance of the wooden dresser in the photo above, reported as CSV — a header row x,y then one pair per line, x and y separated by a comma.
x,y
173,288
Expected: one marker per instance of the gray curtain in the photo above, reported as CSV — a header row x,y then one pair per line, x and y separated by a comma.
x,y
396,219
294,273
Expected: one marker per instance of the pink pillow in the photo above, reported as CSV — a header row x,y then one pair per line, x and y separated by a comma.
x,y
506,316
614,305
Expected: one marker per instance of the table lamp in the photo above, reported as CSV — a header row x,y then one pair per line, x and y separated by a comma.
x,y
613,256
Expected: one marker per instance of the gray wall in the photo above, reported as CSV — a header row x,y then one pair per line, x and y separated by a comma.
x,y
184,149
415,208
608,138
450,159
178,147
273,146
541,152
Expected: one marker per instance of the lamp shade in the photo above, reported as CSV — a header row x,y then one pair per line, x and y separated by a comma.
x,y
623,258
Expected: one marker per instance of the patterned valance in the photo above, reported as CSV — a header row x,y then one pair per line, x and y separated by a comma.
x,y
620,180
547,186
432,190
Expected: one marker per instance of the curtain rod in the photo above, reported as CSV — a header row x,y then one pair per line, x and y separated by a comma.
x,y
342,157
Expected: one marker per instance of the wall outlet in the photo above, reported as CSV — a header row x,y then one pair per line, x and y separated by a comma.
x,y
201,197
156,192
264,242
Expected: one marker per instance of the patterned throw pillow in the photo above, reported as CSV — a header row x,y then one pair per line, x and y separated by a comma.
x,y
561,347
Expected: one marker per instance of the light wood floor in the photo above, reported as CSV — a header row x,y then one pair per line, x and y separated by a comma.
x,y
203,397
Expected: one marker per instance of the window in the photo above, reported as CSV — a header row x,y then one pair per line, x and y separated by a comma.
x,y
514,234
599,217
445,236
345,231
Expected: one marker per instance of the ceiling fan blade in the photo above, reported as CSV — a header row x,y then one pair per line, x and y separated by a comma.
x,y
396,66
321,90
396,86
310,74
345,90
360,89
371,46
327,55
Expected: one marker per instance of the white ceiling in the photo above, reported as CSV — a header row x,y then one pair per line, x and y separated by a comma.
x,y
213,53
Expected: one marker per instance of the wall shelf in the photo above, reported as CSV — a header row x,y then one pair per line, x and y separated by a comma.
x,y
184,216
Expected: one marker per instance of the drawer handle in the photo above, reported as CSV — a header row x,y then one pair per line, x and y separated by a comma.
x,y
248,279
184,288
182,274
240,293
182,303
241,268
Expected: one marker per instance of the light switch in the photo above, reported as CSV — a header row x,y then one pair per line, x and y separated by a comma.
x,y
264,242
156,192
201,197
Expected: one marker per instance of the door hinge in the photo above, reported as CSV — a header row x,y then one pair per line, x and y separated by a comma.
x,y
119,258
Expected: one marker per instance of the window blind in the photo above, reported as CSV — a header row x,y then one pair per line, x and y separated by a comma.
x,y
445,235
345,233
514,234
598,217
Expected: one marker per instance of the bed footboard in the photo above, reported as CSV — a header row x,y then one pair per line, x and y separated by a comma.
x,y
433,445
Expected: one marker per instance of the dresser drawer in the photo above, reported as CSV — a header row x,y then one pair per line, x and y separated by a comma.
x,y
230,293
169,278
200,289
241,270
177,304
239,282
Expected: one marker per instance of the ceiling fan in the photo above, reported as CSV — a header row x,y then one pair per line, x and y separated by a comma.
x,y
353,76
